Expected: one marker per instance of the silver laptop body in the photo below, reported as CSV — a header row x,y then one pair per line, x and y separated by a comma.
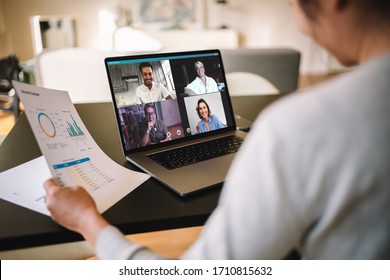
x,y
159,124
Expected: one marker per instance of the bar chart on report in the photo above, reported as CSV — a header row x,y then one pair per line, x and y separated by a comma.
x,y
75,132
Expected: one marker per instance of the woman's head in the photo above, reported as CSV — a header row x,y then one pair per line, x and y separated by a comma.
x,y
344,27
203,109
380,9
199,68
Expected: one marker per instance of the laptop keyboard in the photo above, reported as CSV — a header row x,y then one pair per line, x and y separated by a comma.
x,y
198,152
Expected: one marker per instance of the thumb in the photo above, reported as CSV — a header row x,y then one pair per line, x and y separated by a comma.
x,y
50,186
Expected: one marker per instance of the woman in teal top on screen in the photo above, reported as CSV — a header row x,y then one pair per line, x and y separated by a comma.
x,y
208,121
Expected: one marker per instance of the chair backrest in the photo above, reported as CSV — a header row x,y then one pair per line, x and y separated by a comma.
x,y
80,71
277,68
245,83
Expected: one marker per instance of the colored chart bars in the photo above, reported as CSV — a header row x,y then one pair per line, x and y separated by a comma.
x,y
76,133
73,129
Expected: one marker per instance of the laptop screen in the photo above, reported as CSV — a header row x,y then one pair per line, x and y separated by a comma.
x,y
169,97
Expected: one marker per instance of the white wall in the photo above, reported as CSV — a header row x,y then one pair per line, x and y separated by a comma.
x,y
260,23
269,23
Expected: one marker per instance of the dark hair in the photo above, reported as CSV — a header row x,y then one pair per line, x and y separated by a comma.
x,y
207,105
149,105
309,7
144,64
374,8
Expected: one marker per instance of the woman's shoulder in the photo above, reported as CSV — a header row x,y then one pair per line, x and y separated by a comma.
x,y
327,103
210,79
214,117
197,79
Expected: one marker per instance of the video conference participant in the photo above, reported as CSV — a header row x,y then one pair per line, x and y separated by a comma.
x,y
155,130
202,83
150,91
208,121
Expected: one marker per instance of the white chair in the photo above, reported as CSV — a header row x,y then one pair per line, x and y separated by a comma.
x,y
245,83
273,68
80,71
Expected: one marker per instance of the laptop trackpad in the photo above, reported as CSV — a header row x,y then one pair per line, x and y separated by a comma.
x,y
217,167
207,173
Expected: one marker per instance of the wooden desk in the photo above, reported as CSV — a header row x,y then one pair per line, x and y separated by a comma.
x,y
150,207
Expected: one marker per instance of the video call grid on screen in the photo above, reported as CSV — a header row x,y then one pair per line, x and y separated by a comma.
x,y
177,117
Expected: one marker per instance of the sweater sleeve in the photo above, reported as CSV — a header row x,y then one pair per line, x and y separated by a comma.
x,y
113,245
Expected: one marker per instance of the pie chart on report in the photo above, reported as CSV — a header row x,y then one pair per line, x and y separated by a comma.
x,y
46,125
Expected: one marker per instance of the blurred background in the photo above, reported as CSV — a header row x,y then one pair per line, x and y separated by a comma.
x,y
92,24
29,28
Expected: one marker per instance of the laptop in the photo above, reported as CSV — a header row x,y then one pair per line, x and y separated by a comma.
x,y
166,121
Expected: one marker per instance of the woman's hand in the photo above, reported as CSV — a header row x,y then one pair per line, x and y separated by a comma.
x,y
75,209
